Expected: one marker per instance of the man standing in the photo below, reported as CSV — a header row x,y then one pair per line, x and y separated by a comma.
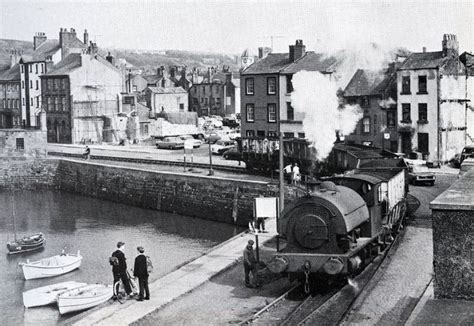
x,y
140,270
287,171
87,153
296,174
250,265
120,269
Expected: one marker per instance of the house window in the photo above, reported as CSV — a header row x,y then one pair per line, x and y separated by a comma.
x,y
20,143
17,103
50,84
37,84
129,100
31,101
36,68
391,119
260,133
271,85
272,134
366,125
181,106
422,85
290,112
406,85
42,68
289,83
48,103
364,102
31,84
22,69
423,142
301,135
63,103
271,108
288,135
250,133
406,112
250,112
37,101
56,84
23,84
56,103
31,68
249,86
422,112
23,101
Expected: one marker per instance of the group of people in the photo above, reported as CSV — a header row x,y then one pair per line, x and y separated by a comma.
x,y
292,173
140,270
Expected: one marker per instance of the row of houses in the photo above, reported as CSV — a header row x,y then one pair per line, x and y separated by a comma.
x,y
89,97
421,105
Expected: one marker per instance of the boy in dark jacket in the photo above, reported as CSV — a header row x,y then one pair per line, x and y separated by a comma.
x,y
140,270
120,270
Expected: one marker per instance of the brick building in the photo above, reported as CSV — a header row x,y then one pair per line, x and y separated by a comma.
x,y
10,97
376,93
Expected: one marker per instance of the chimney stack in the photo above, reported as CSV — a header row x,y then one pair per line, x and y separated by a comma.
x,y
86,37
292,53
260,52
110,59
424,49
300,49
66,40
14,57
450,46
38,39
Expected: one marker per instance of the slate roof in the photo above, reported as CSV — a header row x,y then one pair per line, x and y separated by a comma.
x,y
272,63
312,61
65,66
368,82
152,79
424,60
46,49
167,90
12,74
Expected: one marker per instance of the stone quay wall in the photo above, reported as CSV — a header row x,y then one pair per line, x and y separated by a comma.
x,y
27,174
212,198
453,240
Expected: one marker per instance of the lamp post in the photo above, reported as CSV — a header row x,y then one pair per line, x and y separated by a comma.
x,y
211,171
282,186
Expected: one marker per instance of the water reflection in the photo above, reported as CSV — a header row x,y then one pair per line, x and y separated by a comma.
x,y
93,227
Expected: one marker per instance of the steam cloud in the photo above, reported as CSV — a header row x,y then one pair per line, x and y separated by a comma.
x,y
315,95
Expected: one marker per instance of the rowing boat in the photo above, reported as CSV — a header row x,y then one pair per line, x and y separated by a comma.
x,y
84,298
48,294
51,266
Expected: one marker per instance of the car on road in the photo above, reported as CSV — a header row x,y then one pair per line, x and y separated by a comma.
x,y
212,137
196,142
466,165
420,174
233,154
221,146
170,143
466,152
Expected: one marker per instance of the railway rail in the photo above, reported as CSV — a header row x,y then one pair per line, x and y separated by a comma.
x,y
330,308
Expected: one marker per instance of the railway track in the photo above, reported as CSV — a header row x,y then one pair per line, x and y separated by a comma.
x,y
293,308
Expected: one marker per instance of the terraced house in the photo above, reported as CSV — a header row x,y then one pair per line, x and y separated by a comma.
x,y
432,103
10,95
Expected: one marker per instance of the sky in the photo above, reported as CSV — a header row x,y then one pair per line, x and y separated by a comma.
x,y
232,26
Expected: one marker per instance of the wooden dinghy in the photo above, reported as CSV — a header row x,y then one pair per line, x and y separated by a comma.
x,y
48,294
25,244
52,266
84,298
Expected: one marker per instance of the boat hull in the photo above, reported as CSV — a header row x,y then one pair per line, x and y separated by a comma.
x,y
53,266
45,295
72,301
26,244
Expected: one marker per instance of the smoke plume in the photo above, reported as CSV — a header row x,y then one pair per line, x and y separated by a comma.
x,y
315,95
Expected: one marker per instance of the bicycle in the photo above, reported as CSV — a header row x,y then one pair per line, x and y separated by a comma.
x,y
119,289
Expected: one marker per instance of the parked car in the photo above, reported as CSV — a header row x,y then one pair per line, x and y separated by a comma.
x,y
420,174
221,146
211,137
466,165
196,142
170,143
466,152
233,154
229,122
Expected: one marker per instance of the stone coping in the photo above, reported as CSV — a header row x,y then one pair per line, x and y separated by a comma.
x,y
460,196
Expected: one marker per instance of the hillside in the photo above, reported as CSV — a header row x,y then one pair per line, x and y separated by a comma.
x,y
7,45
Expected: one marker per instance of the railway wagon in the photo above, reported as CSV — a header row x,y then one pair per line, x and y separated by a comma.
x,y
340,226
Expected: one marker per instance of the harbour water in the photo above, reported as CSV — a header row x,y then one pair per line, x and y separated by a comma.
x,y
93,226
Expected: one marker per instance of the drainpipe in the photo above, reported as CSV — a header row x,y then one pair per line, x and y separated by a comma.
x,y
438,109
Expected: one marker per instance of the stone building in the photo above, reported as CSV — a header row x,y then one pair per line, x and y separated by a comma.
x,y
46,53
216,96
432,103
166,99
10,96
468,60
265,89
375,91
80,95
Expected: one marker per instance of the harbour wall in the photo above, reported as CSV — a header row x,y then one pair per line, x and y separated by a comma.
x,y
18,173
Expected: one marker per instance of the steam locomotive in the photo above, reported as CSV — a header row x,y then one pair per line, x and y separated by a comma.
x,y
341,225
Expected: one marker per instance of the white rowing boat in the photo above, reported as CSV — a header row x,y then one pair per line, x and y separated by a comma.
x,y
84,298
48,294
52,266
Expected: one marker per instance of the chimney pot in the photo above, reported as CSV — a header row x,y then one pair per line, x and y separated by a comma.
x,y
424,49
